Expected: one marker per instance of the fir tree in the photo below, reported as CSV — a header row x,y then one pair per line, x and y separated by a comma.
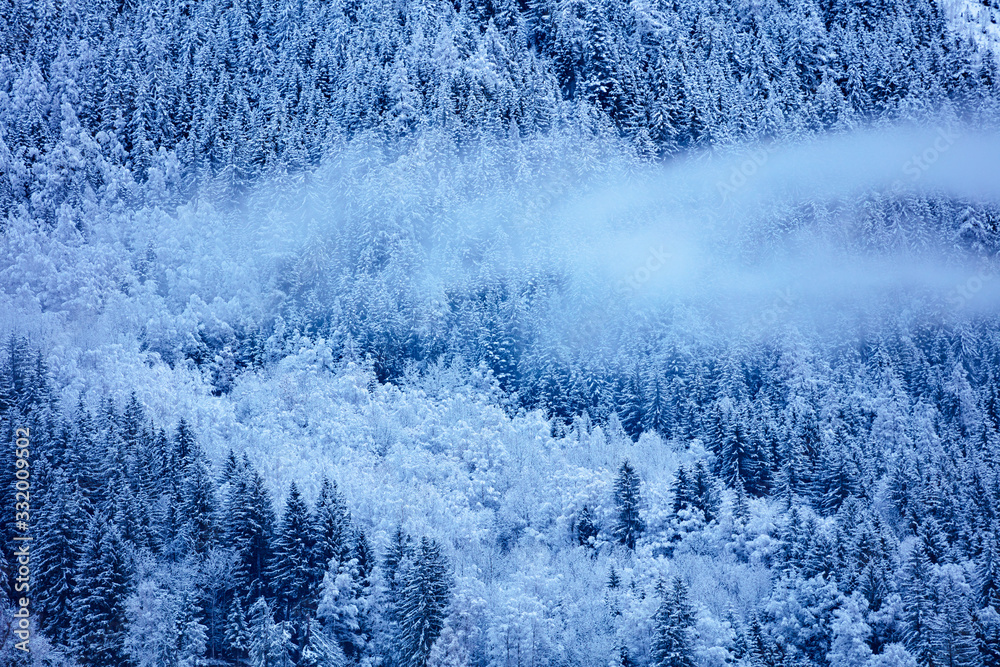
x,y
249,526
422,607
586,531
332,528
269,643
58,554
290,571
628,525
237,631
104,580
673,627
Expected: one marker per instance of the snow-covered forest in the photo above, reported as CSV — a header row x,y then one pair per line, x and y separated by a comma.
x,y
500,334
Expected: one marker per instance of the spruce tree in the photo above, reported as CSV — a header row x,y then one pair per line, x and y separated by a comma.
x,y
249,527
331,529
290,571
196,506
741,459
683,496
702,490
920,602
58,553
586,531
268,642
954,638
423,605
672,627
614,581
628,525
396,558
103,578
237,632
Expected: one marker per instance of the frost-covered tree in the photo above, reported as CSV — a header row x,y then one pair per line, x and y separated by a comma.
x,y
104,578
269,643
673,627
850,635
627,497
58,552
322,651
344,606
237,632
422,605
586,531
164,625
290,569
249,527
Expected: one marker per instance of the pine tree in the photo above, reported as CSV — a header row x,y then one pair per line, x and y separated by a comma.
x,y
237,631
290,570
586,531
629,524
672,643
58,553
249,526
920,605
331,527
269,643
104,580
423,605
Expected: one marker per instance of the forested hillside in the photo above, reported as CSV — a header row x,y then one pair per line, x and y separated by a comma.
x,y
482,334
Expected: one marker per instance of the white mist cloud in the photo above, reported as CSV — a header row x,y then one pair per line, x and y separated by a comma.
x,y
741,243
776,234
